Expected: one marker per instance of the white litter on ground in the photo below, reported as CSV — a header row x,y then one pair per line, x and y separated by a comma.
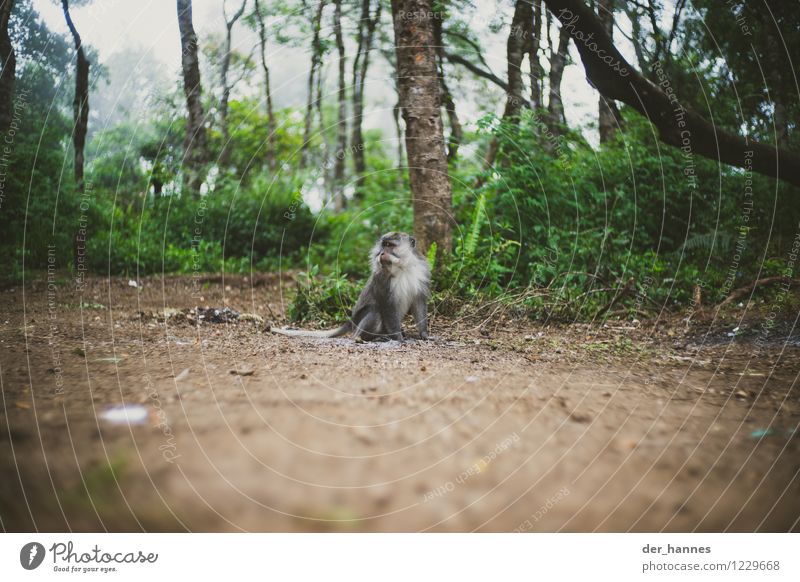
x,y
125,414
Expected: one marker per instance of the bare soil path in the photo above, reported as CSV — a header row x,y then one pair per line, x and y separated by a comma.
x,y
534,428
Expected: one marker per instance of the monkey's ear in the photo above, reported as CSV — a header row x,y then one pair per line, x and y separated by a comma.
x,y
413,241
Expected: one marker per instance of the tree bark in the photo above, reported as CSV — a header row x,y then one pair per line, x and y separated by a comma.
x,y
537,71
456,132
421,104
678,126
608,118
195,143
366,33
555,105
316,61
326,165
516,46
8,62
80,104
341,126
271,125
225,155
638,40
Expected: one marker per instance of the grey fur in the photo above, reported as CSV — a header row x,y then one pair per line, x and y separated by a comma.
x,y
398,284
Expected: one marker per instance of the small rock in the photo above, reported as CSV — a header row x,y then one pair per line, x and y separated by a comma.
x,y
245,370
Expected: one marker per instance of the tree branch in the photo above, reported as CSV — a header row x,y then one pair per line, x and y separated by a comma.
x,y
678,126
475,46
488,75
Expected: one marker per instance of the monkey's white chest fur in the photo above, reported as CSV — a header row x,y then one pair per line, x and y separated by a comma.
x,y
406,284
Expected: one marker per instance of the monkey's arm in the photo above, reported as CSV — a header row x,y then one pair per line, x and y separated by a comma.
x,y
420,311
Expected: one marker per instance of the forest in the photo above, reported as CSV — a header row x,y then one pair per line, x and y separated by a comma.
x,y
676,185
589,208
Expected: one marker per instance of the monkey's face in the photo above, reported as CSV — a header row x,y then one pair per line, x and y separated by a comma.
x,y
393,249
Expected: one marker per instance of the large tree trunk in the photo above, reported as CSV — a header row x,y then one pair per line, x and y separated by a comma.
x,y
271,125
8,62
678,126
80,104
316,61
456,132
555,105
421,104
341,125
608,118
225,155
195,142
366,33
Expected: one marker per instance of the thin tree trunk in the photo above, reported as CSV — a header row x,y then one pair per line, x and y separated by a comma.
x,y
316,59
516,47
456,132
271,125
537,71
608,117
638,41
225,154
80,104
8,62
326,165
341,126
195,143
555,106
366,34
397,112
420,100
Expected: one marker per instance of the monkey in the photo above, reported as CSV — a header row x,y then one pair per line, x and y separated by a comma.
x,y
399,284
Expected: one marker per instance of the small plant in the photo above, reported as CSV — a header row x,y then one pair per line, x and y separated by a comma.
x,y
323,300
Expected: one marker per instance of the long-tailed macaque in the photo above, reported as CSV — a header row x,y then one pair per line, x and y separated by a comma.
x,y
399,284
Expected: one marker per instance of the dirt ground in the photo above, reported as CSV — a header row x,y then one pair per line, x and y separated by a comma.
x,y
627,426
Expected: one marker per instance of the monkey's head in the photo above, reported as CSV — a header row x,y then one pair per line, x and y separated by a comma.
x,y
393,250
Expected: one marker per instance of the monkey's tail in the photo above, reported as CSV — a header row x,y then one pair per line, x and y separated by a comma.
x,y
331,333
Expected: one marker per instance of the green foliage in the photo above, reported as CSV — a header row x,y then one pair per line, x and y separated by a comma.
x,y
555,231
250,227
432,256
322,300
